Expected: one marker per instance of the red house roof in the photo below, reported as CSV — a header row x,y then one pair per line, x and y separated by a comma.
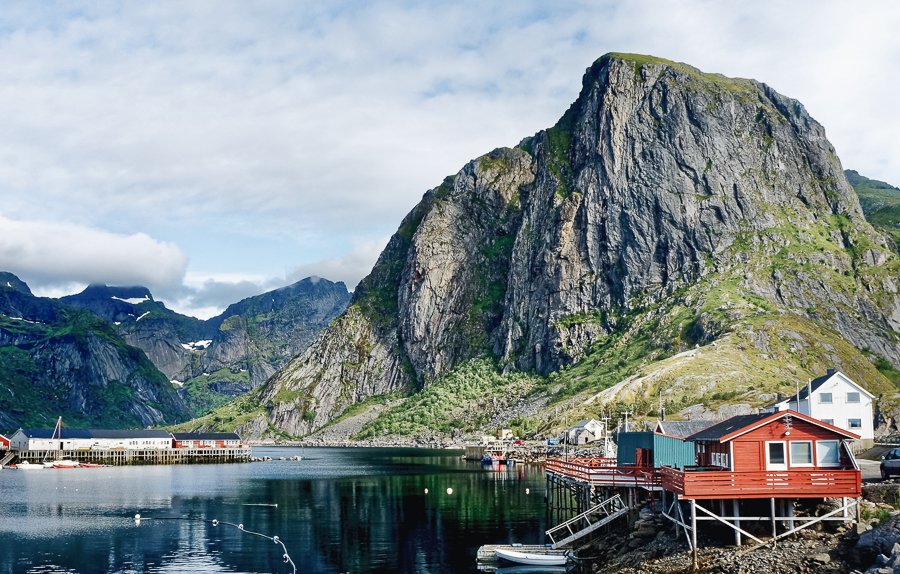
x,y
741,424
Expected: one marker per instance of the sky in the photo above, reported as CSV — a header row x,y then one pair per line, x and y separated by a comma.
x,y
215,150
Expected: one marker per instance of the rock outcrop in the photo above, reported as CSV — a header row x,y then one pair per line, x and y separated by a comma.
x,y
56,360
657,180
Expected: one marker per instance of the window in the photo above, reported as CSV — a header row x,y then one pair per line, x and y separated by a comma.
x,y
855,423
828,453
852,397
801,453
828,421
775,456
825,398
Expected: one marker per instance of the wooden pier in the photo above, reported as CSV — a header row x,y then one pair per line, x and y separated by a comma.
x,y
122,457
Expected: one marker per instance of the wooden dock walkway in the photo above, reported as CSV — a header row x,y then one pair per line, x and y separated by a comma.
x,y
121,457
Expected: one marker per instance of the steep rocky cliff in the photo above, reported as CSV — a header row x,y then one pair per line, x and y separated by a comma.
x,y
218,359
668,209
57,360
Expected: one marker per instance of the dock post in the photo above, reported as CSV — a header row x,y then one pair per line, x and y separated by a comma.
x,y
736,507
774,525
695,558
789,502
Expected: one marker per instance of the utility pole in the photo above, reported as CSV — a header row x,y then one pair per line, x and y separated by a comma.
x,y
626,413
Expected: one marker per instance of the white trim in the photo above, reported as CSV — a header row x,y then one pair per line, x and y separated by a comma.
x,y
731,456
819,463
783,414
812,454
851,382
782,466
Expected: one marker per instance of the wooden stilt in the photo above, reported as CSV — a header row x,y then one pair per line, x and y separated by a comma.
x,y
736,510
790,512
695,557
774,525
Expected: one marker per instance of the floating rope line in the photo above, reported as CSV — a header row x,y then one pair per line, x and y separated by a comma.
x,y
215,522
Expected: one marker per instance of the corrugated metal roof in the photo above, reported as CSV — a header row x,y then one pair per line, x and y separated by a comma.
x,y
683,429
725,427
205,436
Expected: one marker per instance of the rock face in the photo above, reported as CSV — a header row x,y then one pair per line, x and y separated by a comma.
x,y
56,360
226,355
658,176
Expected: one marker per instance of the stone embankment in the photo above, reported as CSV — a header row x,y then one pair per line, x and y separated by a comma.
x,y
652,546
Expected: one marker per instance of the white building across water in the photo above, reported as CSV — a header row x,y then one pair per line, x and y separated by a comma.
x,y
89,439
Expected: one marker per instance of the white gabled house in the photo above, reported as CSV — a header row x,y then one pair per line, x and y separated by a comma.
x,y
89,439
584,431
835,399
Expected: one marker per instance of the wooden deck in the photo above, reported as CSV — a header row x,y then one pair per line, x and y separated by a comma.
x,y
604,472
716,484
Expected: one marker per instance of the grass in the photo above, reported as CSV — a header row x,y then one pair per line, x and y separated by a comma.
x,y
462,400
880,202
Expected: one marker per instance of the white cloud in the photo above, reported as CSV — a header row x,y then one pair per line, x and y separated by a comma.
x,y
261,136
59,254
349,268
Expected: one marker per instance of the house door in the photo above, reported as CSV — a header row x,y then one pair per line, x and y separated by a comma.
x,y
776,455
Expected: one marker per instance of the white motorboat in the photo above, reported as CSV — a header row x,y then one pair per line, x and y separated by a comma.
x,y
61,464
29,466
531,558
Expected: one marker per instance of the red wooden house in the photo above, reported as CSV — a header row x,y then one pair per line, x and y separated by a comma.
x,y
4,443
772,455
205,440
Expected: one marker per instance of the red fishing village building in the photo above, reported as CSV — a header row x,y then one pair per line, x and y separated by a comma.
x,y
743,472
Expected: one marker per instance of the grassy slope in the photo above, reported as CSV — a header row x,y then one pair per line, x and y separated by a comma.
x,y
880,202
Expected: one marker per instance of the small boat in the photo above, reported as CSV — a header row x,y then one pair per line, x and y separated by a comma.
x,y
532,559
61,464
27,466
525,569
90,465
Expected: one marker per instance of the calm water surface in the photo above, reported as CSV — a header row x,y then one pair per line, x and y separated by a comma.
x,y
339,510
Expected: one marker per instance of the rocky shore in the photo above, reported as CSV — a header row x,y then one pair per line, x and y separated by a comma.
x,y
651,546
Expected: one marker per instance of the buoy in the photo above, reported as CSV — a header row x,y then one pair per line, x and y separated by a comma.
x,y
527,491
426,491
449,490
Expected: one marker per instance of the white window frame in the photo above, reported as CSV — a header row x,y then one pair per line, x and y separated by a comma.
x,y
858,397
812,454
850,423
822,400
777,466
828,464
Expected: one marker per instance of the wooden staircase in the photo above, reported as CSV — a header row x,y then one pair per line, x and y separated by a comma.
x,y
8,458
587,522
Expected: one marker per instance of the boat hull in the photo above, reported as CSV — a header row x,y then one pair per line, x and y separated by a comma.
x,y
531,559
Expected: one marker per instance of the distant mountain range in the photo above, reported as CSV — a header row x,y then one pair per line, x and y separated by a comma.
x,y
115,357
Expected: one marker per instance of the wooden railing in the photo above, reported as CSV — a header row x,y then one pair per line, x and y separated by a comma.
x,y
603,472
806,483
587,522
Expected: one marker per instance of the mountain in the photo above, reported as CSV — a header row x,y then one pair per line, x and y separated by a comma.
x,y
880,202
215,360
678,239
57,360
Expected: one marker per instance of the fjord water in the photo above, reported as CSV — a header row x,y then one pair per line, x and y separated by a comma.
x,y
339,510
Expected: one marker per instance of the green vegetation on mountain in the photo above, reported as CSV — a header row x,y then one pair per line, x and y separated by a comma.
x,y
880,202
60,361
678,239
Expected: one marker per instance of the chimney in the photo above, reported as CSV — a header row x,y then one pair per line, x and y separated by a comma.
x,y
830,372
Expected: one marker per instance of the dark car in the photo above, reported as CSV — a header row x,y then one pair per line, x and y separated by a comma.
x,y
890,464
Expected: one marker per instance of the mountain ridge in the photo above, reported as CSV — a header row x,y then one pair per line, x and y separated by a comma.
x,y
667,209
